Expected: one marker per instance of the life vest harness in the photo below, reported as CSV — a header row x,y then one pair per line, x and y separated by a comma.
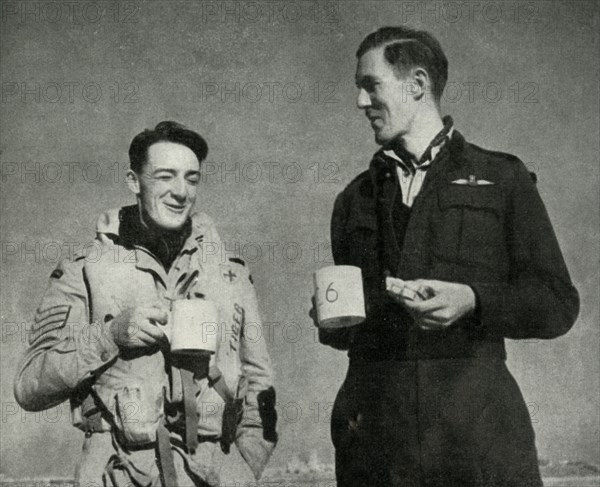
x,y
232,415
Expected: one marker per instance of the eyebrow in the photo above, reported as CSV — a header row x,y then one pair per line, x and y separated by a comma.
x,y
173,171
364,79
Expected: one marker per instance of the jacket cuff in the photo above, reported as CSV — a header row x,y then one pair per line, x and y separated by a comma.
x,y
477,311
255,450
491,313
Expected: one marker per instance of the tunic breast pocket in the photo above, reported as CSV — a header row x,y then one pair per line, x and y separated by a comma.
x,y
470,225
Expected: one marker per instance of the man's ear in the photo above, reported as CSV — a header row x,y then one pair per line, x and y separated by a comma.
x,y
420,82
133,181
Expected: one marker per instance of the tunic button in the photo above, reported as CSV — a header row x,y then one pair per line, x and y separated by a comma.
x,y
104,356
388,175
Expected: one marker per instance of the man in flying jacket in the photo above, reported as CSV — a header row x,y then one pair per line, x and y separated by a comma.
x,y
428,400
98,340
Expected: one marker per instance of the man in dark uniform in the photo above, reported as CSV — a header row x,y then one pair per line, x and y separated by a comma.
x,y
428,400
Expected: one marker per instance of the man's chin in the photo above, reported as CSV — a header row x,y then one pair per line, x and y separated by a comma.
x,y
171,224
384,139
381,140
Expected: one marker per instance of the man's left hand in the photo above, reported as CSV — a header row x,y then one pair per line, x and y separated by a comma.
x,y
447,302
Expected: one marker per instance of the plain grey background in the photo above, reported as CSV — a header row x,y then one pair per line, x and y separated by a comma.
x,y
271,87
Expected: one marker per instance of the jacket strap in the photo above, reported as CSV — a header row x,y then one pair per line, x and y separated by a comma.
x,y
91,421
217,382
165,456
190,409
233,409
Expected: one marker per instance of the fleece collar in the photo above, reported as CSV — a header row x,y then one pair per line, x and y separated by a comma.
x,y
200,225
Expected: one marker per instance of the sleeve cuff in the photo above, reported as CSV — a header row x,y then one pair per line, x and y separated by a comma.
x,y
492,311
474,320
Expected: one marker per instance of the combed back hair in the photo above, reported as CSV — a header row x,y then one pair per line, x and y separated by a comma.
x,y
407,48
165,132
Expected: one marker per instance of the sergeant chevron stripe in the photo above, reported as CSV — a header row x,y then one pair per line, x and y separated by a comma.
x,y
47,320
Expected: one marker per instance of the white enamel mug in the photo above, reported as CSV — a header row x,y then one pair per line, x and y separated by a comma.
x,y
339,296
193,327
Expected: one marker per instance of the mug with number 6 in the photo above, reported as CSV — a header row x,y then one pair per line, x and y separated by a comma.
x,y
339,296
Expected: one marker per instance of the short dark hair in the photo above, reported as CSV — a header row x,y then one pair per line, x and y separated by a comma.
x,y
165,132
407,48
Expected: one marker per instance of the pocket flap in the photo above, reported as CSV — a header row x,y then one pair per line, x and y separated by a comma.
x,y
138,411
485,197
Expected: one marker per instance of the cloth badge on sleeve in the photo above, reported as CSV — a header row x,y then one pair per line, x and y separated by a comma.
x,y
48,320
56,274
228,273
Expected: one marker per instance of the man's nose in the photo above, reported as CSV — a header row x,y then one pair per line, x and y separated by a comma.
x,y
178,188
363,100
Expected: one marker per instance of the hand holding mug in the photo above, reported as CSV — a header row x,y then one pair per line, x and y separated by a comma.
x,y
137,327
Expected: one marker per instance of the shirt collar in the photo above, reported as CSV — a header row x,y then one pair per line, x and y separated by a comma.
x,y
406,160
164,245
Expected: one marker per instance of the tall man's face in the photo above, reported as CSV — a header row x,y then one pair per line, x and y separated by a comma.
x,y
167,184
385,96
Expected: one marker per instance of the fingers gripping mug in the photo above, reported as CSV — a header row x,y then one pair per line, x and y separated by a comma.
x,y
339,296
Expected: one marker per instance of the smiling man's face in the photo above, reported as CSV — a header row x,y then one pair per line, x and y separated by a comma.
x,y
167,185
385,97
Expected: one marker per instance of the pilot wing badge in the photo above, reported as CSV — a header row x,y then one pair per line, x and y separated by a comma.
x,y
473,181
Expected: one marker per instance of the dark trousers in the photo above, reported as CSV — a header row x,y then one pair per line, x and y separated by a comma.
x,y
433,423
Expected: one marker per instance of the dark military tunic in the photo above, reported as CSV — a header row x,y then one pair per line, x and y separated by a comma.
x,y
440,408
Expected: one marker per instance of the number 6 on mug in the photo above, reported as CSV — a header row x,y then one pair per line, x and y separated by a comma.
x,y
339,296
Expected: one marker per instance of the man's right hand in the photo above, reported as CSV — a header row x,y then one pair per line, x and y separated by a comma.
x,y
137,328
313,312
